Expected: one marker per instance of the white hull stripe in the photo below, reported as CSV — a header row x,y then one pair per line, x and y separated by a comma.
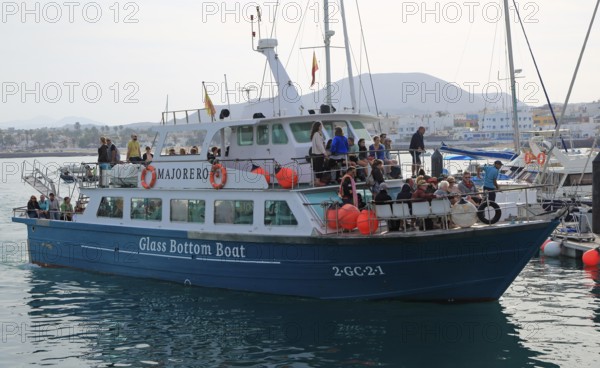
x,y
181,257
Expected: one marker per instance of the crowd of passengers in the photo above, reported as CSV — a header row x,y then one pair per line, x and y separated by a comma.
x,y
419,189
51,208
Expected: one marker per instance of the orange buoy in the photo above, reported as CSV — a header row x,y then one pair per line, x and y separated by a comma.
x,y
218,171
347,216
529,157
152,171
591,257
332,218
367,222
286,177
541,158
260,171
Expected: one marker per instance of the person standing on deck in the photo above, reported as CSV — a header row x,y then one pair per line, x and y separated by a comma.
x,y
416,148
134,154
318,152
490,182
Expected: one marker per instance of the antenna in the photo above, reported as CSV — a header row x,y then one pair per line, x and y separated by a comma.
x,y
247,91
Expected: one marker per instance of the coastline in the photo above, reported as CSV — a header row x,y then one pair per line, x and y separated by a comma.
x,y
45,154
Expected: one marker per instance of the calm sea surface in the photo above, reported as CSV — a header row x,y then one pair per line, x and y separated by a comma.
x,y
550,317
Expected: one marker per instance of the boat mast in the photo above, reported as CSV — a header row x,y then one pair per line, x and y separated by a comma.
x,y
348,60
513,88
327,41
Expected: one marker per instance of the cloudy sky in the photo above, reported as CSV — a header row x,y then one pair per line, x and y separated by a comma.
x,y
115,62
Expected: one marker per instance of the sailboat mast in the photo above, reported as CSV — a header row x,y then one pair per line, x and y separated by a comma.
x,y
328,35
348,60
513,88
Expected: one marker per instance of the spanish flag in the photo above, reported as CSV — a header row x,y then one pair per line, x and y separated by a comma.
x,y
315,67
208,105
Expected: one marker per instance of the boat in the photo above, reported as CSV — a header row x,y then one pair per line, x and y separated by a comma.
x,y
253,221
479,153
566,173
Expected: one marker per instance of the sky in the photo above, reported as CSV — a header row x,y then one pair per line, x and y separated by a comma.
x,y
116,62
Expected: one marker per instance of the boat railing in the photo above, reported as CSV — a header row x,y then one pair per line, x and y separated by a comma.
x,y
173,116
363,166
413,212
23,211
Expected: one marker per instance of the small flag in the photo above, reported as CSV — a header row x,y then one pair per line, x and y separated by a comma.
x,y
315,67
208,105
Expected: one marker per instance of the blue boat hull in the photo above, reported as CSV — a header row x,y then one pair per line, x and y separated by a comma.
x,y
474,265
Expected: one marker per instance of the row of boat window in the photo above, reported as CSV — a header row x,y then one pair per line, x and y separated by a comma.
x,y
266,134
555,178
276,213
300,131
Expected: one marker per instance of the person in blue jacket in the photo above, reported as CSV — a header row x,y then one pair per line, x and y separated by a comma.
x,y
339,150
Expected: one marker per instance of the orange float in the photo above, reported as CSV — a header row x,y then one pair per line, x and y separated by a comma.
x,y
347,216
218,171
286,177
367,222
152,171
541,158
260,171
529,158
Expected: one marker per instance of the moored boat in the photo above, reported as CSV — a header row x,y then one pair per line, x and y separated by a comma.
x,y
252,219
222,225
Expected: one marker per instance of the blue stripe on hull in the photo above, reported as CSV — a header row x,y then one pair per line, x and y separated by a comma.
x,y
438,268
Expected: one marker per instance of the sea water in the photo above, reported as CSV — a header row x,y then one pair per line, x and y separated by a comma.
x,y
549,317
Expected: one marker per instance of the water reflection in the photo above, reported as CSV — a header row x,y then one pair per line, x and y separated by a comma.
x,y
81,318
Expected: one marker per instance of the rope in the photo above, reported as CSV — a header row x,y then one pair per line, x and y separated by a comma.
x,y
537,70
367,57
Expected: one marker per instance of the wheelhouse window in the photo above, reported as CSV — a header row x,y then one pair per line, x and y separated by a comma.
x,y
187,210
262,135
279,134
245,135
146,209
301,131
176,143
111,207
360,130
329,126
234,212
278,213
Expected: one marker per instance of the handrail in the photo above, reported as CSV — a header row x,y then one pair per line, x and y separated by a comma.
x,y
165,116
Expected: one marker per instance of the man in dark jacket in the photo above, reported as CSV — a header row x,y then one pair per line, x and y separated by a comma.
x,y
416,148
381,198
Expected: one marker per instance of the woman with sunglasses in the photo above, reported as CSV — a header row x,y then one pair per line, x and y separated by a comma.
x,y
466,186
33,208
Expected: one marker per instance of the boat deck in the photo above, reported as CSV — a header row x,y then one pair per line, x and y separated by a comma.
x,y
575,248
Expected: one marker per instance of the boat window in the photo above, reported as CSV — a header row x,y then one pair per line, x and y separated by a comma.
x,y
278,213
245,135
279,135
528,176
234,212
576,179
187,210
146,209
329,126
111,207
361,131
301,131
175,141
262,135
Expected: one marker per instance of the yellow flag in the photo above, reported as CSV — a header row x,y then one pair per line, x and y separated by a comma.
x,y
208,105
